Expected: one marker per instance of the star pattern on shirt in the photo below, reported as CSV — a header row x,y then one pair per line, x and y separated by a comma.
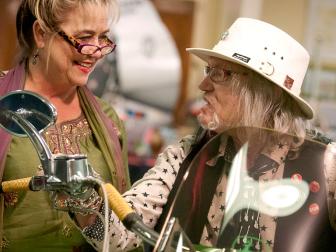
x,y
269,242
208,238
162,180
154,187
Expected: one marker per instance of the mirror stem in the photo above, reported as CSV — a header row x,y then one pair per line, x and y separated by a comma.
x,y
39,143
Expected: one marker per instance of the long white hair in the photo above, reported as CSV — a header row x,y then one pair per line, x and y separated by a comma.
x,y
263,104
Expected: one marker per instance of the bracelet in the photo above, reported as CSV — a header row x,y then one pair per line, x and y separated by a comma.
x,y
96,230
79,205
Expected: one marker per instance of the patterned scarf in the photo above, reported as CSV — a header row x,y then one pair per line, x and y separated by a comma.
x,y
103,128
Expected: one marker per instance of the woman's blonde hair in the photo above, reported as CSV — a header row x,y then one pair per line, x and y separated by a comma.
x,y
50,14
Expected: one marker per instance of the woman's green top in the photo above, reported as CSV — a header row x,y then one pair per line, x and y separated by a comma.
x,y
30,222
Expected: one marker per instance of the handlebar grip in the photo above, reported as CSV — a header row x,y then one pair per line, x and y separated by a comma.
x,y
16,185
117,202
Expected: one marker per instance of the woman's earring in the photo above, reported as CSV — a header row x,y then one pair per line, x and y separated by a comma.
x,y
35,58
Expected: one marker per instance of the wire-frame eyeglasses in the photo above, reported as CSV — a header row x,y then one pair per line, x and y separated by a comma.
x,y
219,75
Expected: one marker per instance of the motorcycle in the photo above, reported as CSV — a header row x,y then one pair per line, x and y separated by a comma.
x,y
269,192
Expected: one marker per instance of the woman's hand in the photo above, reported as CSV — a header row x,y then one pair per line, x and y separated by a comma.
x,y
84,206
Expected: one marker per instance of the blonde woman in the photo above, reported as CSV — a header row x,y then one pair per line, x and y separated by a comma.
x,y
61,42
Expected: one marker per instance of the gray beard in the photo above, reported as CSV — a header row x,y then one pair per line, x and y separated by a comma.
x,y
213,124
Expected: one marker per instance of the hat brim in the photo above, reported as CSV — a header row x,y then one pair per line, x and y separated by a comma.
x,y
204,54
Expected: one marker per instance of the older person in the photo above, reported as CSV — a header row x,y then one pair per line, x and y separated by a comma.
x,y
61,42
253,78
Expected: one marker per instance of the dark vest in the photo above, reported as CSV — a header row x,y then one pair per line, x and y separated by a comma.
x,y
309,228
200,141
306,230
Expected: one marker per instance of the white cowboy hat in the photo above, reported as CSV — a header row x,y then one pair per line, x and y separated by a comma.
x,y
267,50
